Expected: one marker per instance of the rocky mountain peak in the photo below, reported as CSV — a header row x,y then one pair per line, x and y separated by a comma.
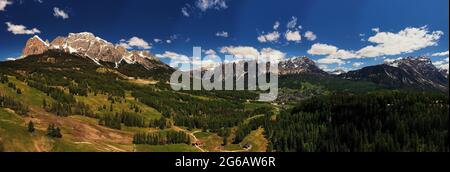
x,y
35,45
414,72
298,65
88,45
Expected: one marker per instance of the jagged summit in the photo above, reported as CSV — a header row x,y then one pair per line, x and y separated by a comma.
x,y
88,45
410,72
299,65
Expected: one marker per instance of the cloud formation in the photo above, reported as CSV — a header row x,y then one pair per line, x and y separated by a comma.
x,y
222,34
385,43
135,42
211,4
251,53
445,53
276,25
203,5
293,36
270,37
292,23
4,3
357,64
60,13
185,12
442,64
310,36
21,29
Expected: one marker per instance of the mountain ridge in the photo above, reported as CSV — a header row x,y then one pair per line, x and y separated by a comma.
x,y
91,46
410,72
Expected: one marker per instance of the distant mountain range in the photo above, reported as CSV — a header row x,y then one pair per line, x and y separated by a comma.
x,y
409,73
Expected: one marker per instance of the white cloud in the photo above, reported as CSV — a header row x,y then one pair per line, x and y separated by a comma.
x,y
172,38
331,61
442,64
211,4
210,61
174,56
185,12
310,36
156,40
325,68
135,42
60,13
334,55
293,36
241,51
445,53
21,29
202,6
4,3
276,25
376,29
210,52
408,40
222,34
251,53
292,23
270,37
386,43
272,54
357,64
322,49
387,61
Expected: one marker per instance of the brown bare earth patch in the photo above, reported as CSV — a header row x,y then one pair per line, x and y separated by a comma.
x,y
80,132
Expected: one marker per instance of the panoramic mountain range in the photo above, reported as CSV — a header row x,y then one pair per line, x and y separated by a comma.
x,y
83,93
410,73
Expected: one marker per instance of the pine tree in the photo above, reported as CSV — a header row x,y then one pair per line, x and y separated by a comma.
x,y
53,131
225,140
44,103
31,127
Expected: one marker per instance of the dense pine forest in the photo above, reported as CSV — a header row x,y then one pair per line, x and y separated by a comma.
x,y
388,121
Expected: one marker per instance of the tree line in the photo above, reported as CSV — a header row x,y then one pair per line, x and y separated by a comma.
x,y
383,121
162,138
17,106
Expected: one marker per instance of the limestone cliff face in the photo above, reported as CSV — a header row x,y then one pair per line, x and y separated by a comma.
x,y
299,65
34,46
88,45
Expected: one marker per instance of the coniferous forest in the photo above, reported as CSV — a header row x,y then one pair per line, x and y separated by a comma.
x,y
387,121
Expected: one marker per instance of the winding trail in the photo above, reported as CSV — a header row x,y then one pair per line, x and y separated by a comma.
x,y
192,134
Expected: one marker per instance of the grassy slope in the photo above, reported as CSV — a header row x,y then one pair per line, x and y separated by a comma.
x,y
166,148
257,140
100,100
15,136
80,133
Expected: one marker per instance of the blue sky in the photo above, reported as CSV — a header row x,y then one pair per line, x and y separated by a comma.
x,y
346,34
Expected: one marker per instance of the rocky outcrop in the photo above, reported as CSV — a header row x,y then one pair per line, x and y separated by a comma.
x,y
299,65
88,45
34,46
408,72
